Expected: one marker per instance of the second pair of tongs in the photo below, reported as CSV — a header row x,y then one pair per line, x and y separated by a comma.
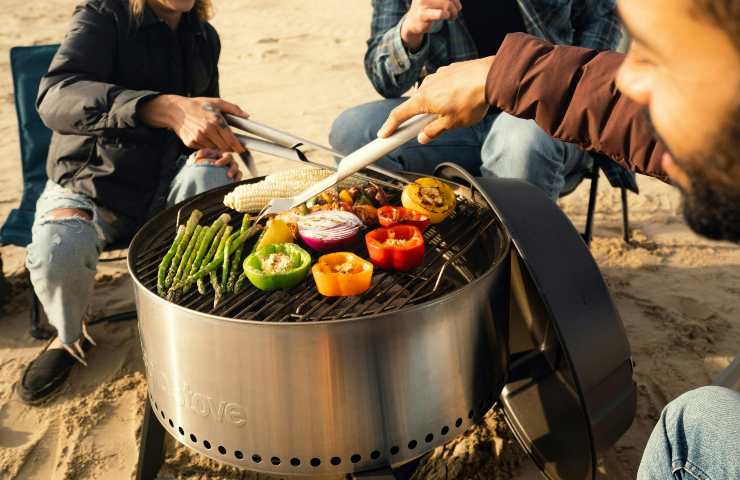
x,y
285,146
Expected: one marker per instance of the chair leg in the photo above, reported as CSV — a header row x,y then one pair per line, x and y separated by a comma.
x,y
38,331
588,232
151,446
625,217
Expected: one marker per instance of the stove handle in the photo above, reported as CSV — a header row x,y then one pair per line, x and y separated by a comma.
x,y
576,301
455,173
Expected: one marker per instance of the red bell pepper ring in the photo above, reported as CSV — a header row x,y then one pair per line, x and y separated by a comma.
x,y
390,215
400,247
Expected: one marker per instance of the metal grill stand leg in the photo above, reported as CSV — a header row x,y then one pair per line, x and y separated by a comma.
x,y
151,448
591,204
38,331
625,217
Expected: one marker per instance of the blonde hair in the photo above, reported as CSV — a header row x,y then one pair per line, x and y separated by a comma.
x,y
204,9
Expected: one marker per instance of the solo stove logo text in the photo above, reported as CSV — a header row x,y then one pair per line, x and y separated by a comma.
x,y
202,404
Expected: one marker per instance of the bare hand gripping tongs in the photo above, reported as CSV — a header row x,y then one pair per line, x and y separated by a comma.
x,y
286,146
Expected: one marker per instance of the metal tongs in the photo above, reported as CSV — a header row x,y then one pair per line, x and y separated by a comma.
x,y
286,146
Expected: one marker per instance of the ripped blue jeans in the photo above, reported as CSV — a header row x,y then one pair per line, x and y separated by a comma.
x,y
63,254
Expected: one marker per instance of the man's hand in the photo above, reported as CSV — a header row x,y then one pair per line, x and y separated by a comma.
x,y
218,158
197,121
456,93
422,13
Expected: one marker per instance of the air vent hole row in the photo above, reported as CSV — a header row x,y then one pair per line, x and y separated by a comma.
x,y
316,462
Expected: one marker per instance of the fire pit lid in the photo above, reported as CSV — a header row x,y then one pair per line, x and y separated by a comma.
x,y
569,394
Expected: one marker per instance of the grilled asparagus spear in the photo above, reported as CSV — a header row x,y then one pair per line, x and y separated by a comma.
x,y
195,217
164,265
235,267
217,290
209,256
204,243
187,258
227,261
238,241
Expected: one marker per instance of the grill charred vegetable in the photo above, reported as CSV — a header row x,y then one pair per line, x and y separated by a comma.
x,y
162,272
277,266
430,197
197,253
234,270
195,217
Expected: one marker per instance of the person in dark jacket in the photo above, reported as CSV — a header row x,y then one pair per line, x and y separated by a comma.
x,y
132,97
410,39
683,70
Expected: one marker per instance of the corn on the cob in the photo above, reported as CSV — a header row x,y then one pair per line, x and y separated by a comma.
x,y
253,197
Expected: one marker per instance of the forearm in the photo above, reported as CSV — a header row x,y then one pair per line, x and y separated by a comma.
x,y
391,68
158,112
571,93
75,105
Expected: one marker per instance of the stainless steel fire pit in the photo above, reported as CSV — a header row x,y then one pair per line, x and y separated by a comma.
x,y
296,383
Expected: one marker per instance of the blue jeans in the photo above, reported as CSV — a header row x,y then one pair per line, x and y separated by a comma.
x,y
499,145
63,253
697,437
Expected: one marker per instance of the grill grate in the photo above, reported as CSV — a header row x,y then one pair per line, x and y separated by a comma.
x,y
447,266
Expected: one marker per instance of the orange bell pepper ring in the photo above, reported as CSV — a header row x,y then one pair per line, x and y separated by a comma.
x,y
342,274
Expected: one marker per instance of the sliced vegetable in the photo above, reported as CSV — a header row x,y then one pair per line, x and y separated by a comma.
x,y
277,231
346,196
277,266
396,248
389,216
431,197
342,274
331,229
367,213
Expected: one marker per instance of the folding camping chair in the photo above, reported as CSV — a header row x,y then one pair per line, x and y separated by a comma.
x,y
28,65
618,178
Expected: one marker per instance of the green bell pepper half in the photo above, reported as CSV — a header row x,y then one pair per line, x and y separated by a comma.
x,y
300,263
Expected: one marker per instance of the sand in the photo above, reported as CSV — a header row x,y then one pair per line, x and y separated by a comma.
x,y
296,65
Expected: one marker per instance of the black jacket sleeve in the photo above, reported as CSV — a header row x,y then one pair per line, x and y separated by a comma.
x,y
76,95
215,42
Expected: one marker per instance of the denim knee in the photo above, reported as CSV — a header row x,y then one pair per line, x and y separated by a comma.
x,y
350,131
516,148
705,406
514,145
193,179
697,433
62,259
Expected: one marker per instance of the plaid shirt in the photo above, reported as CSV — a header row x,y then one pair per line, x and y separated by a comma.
x,y
393,70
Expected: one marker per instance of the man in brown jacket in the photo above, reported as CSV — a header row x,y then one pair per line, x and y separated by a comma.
x,y
683,68
670,108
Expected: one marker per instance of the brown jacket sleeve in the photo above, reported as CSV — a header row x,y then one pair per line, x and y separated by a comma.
x,y
571,93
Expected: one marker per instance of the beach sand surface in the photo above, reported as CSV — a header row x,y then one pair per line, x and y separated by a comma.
x,y
297,65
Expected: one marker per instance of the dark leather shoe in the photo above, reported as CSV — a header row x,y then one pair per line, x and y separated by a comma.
x,y
46,374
